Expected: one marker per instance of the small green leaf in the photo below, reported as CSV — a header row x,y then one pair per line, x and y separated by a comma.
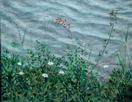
x,y
111,17
14,44
99,54
108,33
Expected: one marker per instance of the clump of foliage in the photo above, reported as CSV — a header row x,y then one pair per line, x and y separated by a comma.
x,y
33,84
119,87
72,85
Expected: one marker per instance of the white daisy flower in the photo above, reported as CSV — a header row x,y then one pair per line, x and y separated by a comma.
x,y
21,73
83,44
61,72
50,63
19,63
105,66
44,75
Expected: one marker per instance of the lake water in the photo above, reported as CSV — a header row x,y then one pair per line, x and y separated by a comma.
x,y
88,20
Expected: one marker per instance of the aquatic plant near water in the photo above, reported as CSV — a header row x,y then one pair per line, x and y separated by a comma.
x,y
32,85
106,41
122,60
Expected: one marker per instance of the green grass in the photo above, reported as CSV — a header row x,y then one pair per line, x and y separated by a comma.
x,y
78,82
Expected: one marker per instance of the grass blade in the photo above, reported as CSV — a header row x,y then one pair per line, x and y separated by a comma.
x,y
128,54
126,41
121,51
123,69
130,42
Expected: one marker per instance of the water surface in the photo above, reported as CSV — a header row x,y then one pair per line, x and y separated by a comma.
x,y
88,19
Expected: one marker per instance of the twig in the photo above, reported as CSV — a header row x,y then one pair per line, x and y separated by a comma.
x,y
106,46
108,57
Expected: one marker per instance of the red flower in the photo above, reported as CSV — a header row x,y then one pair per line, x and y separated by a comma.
x,y
69,36
64,26
68,25
64,51
63,22
58,20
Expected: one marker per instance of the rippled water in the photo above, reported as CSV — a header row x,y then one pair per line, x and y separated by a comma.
x,y
88,19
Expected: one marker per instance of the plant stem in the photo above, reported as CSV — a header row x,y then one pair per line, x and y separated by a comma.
x,y
106,44
108,57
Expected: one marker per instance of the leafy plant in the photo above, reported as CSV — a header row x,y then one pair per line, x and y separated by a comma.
x,y
120,87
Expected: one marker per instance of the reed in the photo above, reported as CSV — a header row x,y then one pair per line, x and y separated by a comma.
x,y
123,53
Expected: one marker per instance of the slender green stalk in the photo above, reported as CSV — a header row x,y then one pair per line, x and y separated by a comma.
x,y
122,51
23,39
111,24
123,69
19,32
128,54
15,41
126,41
71,39
108,57
130,42
90,53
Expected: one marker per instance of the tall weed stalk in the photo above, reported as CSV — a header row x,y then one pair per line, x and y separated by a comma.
x,y
112,22
122,60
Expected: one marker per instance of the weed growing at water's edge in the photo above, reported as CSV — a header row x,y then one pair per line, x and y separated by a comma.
x,y
43,79
106,41
48,81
